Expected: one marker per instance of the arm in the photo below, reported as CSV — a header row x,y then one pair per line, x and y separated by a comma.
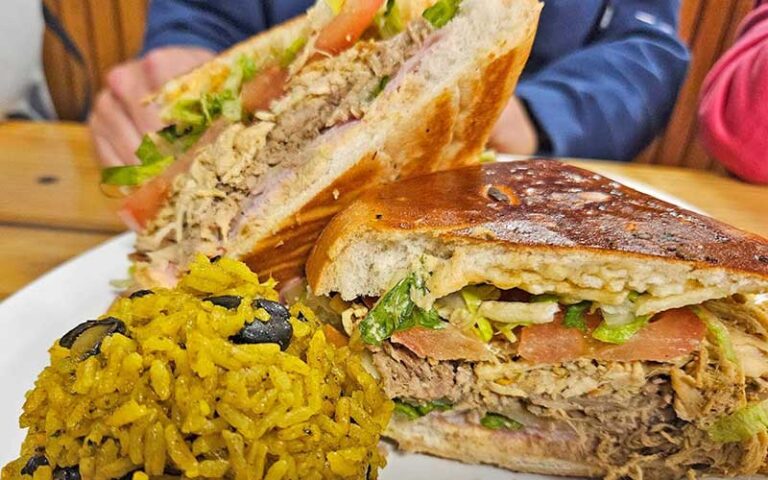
x,y
608,99
733,113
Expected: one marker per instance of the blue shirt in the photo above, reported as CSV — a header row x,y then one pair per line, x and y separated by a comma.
x,y
601,81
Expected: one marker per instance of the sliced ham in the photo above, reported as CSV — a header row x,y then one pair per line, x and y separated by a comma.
x,y
669,335
447,343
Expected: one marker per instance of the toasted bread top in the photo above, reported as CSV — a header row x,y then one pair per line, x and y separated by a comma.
x,y
544,203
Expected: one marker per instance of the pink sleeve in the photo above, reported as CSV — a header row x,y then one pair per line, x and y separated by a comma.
x,y
733,112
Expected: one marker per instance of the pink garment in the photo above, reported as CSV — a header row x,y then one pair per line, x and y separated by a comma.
x,y
733,112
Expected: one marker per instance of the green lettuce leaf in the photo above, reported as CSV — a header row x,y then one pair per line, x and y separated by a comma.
x,y
417,410
247,68
390,21
379,87
441,12
574,315
494,421
180,139
130,175
473,296
544,297
719,332
742,424
622,333
287,56
148,152
187,112
396,311
153,162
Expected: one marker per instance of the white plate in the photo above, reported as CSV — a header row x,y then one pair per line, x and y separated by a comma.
x,y
32,319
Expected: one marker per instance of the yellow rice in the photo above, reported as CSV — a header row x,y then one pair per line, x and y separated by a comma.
x,y
175,397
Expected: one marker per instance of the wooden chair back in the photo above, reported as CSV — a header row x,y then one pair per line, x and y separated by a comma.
x,y
107,32
111,31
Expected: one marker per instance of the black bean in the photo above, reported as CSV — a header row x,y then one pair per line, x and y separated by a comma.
x,y
274,309
34,462
85,339
277,329
140,293
229,302
66,473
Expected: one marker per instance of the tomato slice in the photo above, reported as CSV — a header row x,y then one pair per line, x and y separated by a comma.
x,y
447,343
553,342
268,85
669,335
142,205
346,28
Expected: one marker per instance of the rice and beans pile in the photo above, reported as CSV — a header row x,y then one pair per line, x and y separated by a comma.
x,y
212,379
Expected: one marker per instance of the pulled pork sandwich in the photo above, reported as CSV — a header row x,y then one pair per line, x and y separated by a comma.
x,y
283,141
543,318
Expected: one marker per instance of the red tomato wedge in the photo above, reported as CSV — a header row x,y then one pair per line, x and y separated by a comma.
x,y
669,335
142,204
553,342
346,28
447,343
268,85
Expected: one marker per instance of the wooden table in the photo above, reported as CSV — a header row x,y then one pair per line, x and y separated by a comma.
x,y
51,206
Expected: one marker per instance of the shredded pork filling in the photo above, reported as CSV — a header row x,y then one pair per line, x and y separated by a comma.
x,y
210,203
633,419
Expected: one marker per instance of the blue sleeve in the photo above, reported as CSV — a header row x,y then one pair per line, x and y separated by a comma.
x,y
609,99
214,24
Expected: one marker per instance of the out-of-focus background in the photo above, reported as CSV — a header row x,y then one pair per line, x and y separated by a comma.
x,y
110,31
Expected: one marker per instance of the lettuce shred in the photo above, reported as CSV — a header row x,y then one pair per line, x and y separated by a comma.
x,y
396,311
622,333
740,425
494,421
390,22
574,315
152,163
417,410
719,333
441,12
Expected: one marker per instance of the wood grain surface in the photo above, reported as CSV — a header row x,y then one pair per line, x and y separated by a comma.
x,y
51,206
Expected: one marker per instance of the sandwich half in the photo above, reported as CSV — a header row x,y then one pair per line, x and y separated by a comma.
x,y
542,318
416,97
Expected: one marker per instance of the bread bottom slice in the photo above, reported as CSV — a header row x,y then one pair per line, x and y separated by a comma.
x,y
542,452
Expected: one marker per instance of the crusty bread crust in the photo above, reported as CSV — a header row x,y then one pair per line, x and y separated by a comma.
x,y
413,130
546,225
470,443
193,83
436,113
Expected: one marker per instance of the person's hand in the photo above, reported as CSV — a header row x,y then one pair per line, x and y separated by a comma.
x,y
514,132
120,118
